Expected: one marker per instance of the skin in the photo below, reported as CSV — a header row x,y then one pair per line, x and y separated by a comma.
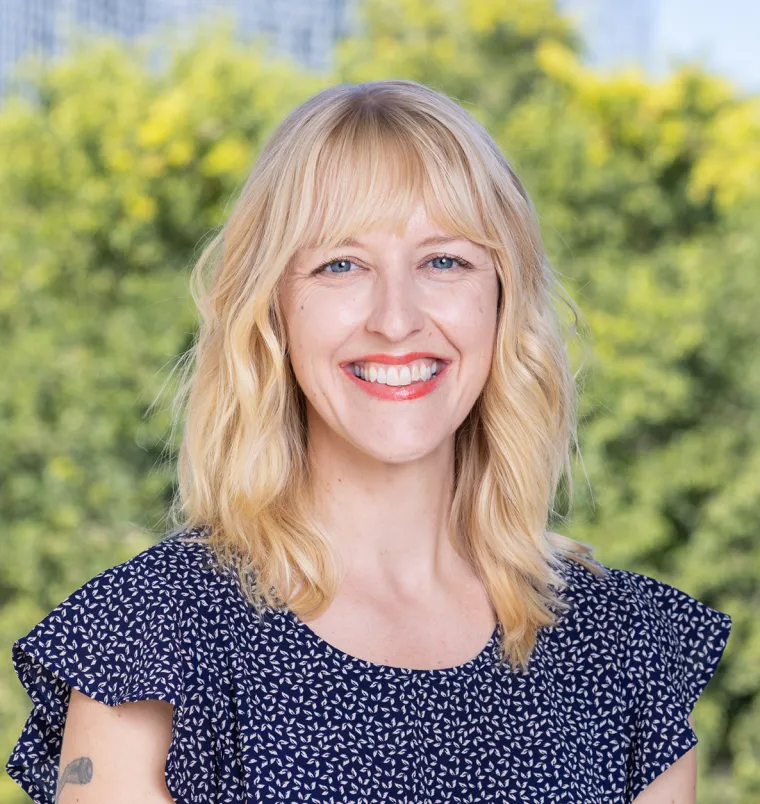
x,y
367,451
379,464
406,597
114,753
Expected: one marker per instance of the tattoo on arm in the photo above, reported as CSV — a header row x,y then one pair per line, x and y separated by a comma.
x,y
78,771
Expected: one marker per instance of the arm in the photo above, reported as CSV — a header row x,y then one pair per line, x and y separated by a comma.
x,y
114,753
677,784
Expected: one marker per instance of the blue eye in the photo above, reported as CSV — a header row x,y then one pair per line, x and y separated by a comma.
x,y
450,259
343,261
344,264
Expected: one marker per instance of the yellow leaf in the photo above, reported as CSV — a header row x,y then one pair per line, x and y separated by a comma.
x,y
227,156
179,152
141,207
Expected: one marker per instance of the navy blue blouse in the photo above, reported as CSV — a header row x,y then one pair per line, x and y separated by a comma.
x,y
267,711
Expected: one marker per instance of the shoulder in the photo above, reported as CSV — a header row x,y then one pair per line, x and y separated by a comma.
x,y
654,649
163,578
653,631
178,557
139,630
624,598
588,636
598,604
180,569
122,635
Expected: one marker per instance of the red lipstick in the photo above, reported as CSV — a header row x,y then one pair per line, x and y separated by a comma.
x,y
396,360
398,393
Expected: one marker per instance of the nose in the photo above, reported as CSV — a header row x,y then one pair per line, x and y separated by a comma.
x,y
395,312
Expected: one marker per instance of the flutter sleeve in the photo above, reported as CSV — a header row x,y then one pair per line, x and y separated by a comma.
x,y
116,639
673,646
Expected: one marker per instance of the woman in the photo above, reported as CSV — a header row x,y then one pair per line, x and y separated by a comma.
x,y
362,603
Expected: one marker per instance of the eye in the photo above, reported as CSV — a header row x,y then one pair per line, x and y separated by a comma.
x,y
343,264
459,262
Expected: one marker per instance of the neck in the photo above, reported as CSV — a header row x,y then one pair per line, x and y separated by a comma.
x,y
387,520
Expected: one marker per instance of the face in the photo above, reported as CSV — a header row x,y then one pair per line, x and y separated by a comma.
x,y
391,338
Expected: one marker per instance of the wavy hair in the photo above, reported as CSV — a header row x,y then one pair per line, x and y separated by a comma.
x,y
243,473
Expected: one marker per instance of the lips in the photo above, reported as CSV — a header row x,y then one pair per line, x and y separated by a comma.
x,y
395,360
396,393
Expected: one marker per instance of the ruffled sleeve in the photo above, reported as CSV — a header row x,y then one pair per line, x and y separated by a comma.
x,y
673,647
116,639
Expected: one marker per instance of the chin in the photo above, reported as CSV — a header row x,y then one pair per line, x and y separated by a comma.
x,y
403,452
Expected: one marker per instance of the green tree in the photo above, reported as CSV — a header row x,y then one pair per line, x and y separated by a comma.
x,y
108,185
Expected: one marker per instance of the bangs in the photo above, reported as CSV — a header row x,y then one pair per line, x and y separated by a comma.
x,y
372,172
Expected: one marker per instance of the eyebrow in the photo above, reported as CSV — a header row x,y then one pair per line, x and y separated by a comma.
x,y
428,241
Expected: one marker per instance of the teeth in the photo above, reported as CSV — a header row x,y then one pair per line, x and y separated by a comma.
x,y
416,371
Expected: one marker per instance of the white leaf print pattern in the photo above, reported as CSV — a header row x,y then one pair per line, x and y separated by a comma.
x,y
266,711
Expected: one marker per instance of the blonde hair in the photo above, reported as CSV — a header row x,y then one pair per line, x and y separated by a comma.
x,y
351,158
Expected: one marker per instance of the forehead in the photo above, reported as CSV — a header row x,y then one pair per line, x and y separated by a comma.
x,y
420,232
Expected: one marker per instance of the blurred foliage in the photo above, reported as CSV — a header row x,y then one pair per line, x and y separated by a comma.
x,y
648,200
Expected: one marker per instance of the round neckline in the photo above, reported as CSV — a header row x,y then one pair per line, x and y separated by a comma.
x,y
341,657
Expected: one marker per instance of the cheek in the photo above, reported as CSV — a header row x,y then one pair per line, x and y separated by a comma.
x,y
469,320
318,324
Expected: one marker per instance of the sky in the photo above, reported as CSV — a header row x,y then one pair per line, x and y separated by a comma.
x,y
725,33
722,35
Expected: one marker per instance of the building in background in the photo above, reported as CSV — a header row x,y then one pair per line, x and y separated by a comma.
x,y
304,29
649,33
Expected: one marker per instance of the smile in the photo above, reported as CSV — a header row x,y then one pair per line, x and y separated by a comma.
x,y
396,382
404,374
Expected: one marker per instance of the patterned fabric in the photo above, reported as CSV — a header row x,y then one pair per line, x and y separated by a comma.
x,y
267,711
